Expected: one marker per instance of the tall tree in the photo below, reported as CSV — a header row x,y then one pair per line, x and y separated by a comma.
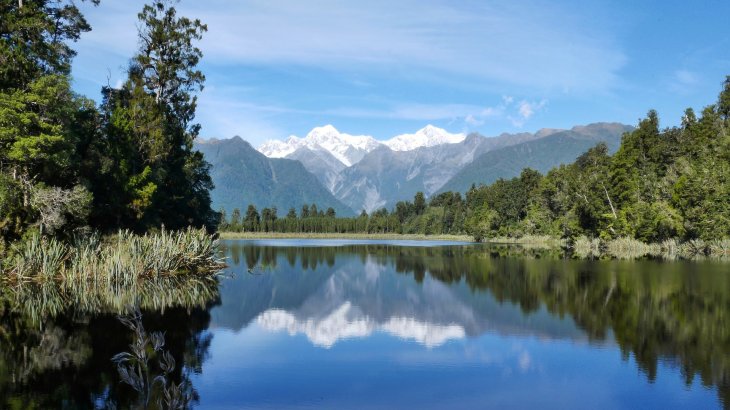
x,y
34,37
150,123
42,121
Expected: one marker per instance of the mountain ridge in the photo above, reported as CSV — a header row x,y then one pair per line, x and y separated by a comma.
x,y
244,176
381,176
350,149
540,154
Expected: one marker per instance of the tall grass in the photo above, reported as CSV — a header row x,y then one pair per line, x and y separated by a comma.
x,y
121,259
584,247
44,276
531,241
629,248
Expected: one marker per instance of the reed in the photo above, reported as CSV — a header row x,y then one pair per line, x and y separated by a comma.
x,y
530,241
121,259
719,248
670,249
584,247
630,248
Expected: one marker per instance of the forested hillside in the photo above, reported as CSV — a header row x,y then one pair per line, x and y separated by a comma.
x,y
542,154
244,176
660,184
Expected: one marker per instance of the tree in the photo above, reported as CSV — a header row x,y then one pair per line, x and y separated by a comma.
x,y
149,123
252,220
223,220
419,203
723,103
34,38
236,220
57,207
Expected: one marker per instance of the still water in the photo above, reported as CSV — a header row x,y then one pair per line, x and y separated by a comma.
x,y
313,324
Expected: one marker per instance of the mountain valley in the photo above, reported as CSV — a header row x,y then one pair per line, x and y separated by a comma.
x,y
352,173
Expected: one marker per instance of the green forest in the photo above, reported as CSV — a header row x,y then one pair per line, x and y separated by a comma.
x,y
661,184
69,165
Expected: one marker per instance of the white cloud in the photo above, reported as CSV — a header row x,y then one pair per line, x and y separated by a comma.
x,y
685,77
224,116
684,81
525,110
479,44
519,44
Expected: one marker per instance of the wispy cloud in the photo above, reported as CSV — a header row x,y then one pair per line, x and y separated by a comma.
x,y
526,44
224,116
526,49
683,81
525,110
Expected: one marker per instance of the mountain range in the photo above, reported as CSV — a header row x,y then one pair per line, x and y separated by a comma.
x,y
244,176
358,172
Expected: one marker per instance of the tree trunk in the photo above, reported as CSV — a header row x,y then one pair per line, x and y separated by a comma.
x,y
610,203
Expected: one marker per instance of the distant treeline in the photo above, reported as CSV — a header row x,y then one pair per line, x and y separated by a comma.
x,y
443,214
660,184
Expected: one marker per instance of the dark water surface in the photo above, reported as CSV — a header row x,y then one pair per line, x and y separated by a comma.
x,y
312,324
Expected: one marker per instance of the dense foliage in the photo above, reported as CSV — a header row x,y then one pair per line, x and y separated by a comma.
x,y
66,164
444,214
244,176
660,184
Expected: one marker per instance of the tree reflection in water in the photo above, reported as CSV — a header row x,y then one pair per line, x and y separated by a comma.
x,y
677,313
52,355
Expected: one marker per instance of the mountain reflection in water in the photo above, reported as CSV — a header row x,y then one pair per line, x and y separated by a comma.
x,y
675,314
302,325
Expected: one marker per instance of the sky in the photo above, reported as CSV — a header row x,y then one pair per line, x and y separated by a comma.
x,y
383,68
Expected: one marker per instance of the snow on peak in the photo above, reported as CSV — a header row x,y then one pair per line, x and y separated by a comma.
x,y
427,136
349,149
279,149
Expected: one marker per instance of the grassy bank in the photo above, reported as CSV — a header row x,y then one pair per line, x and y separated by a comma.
x,y
581,247
628,248
531,241
121,258
387,236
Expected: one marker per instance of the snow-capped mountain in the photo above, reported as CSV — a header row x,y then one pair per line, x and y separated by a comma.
x,y
368,174
347,148
350,149
428,136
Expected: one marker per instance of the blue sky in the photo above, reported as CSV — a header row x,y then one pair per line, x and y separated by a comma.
x,y
381,68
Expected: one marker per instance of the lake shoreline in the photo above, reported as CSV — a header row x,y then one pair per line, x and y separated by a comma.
x,y
387,236
581,247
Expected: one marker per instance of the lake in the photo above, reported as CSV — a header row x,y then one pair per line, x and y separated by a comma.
x,y
313,324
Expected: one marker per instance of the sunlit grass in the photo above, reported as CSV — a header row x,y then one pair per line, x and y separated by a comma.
x,y
532,241
122,258
670,249
44,276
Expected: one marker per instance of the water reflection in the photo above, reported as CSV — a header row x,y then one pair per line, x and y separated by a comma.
x,y
372,324
347,321
673,314
56,344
